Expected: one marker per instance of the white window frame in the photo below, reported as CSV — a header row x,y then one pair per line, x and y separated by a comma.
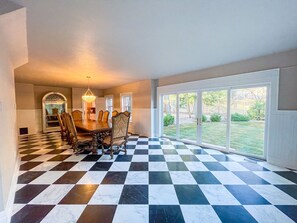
x,y
129,94
108,97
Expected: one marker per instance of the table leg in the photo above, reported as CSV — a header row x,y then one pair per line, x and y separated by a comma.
x,y
94,144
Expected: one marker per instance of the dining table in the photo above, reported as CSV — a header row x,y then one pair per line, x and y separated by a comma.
x,y
97,129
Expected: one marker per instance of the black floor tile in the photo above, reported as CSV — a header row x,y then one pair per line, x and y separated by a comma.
x,y
97,213
92,158
159,178
134,194
215,166
31,213
27,193
177,166
55,151
156,158
169,152
29,165
250,178
64,166
198,151
181,147
165,213
205,177
292,176
27,177
189,158
234,214
123,158
155,147
222,158
289,210
101,166
246,195
289,189
190,194
140,152
139,166
29,157
79,194
70,177
59,158
114,178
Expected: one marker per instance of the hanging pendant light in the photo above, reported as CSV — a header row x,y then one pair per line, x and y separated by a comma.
x,y
89,96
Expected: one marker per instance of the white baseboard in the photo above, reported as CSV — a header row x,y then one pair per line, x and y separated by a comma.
x,y
5,215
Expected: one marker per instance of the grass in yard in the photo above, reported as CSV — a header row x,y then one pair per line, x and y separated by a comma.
x,y
246,137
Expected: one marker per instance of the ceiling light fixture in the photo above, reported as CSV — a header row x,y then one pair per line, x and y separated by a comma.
x,y
89,96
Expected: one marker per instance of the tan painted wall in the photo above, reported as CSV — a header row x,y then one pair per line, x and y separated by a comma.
x,y
24,96
141,91
288,76
13,53
40,91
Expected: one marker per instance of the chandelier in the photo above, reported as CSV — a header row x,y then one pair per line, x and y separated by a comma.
x,y
89,96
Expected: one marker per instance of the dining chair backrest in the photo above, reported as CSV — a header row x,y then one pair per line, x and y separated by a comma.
x,y
127,113
114,113
62,126
71,125
100,115
120,125
77,115
105,116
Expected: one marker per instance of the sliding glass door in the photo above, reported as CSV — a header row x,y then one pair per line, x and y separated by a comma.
x,y
169,115
188,116
230,119
214,118
248,115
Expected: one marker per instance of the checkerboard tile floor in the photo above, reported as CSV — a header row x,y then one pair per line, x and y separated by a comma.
x,y
157,181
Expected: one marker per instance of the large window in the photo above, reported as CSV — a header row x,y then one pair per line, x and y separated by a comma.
x,y
109,103
126,103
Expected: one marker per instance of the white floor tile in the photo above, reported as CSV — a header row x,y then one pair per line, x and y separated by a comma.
x,y
155,152
213,152
158,166
199,214
82,166
162,194
218,195
167,147
107,194
226,177
137,177
53,194
184,152
120,166
45,166
267,214
234,166
206,158
196,166
272,177
44,157
64,214
274,195
75,158
48,177
272,167
131,214
182,177
140,158
92,177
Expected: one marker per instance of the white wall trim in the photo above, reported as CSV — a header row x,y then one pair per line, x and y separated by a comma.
x,y
5,215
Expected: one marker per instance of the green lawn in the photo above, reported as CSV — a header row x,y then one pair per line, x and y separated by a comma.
x,y
246,137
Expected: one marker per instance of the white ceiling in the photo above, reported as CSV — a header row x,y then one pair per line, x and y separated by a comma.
x,y
120,41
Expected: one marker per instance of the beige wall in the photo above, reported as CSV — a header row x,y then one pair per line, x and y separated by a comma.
x,y
13,53
24,96
40,91
284,61
141,91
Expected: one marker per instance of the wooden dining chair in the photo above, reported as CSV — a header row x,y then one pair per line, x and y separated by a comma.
x,y
114,113
119,134
77,115
127,113
62,126
100,115
105,116
77,139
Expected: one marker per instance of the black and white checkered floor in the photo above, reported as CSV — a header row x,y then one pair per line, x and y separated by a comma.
x,y
157,181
